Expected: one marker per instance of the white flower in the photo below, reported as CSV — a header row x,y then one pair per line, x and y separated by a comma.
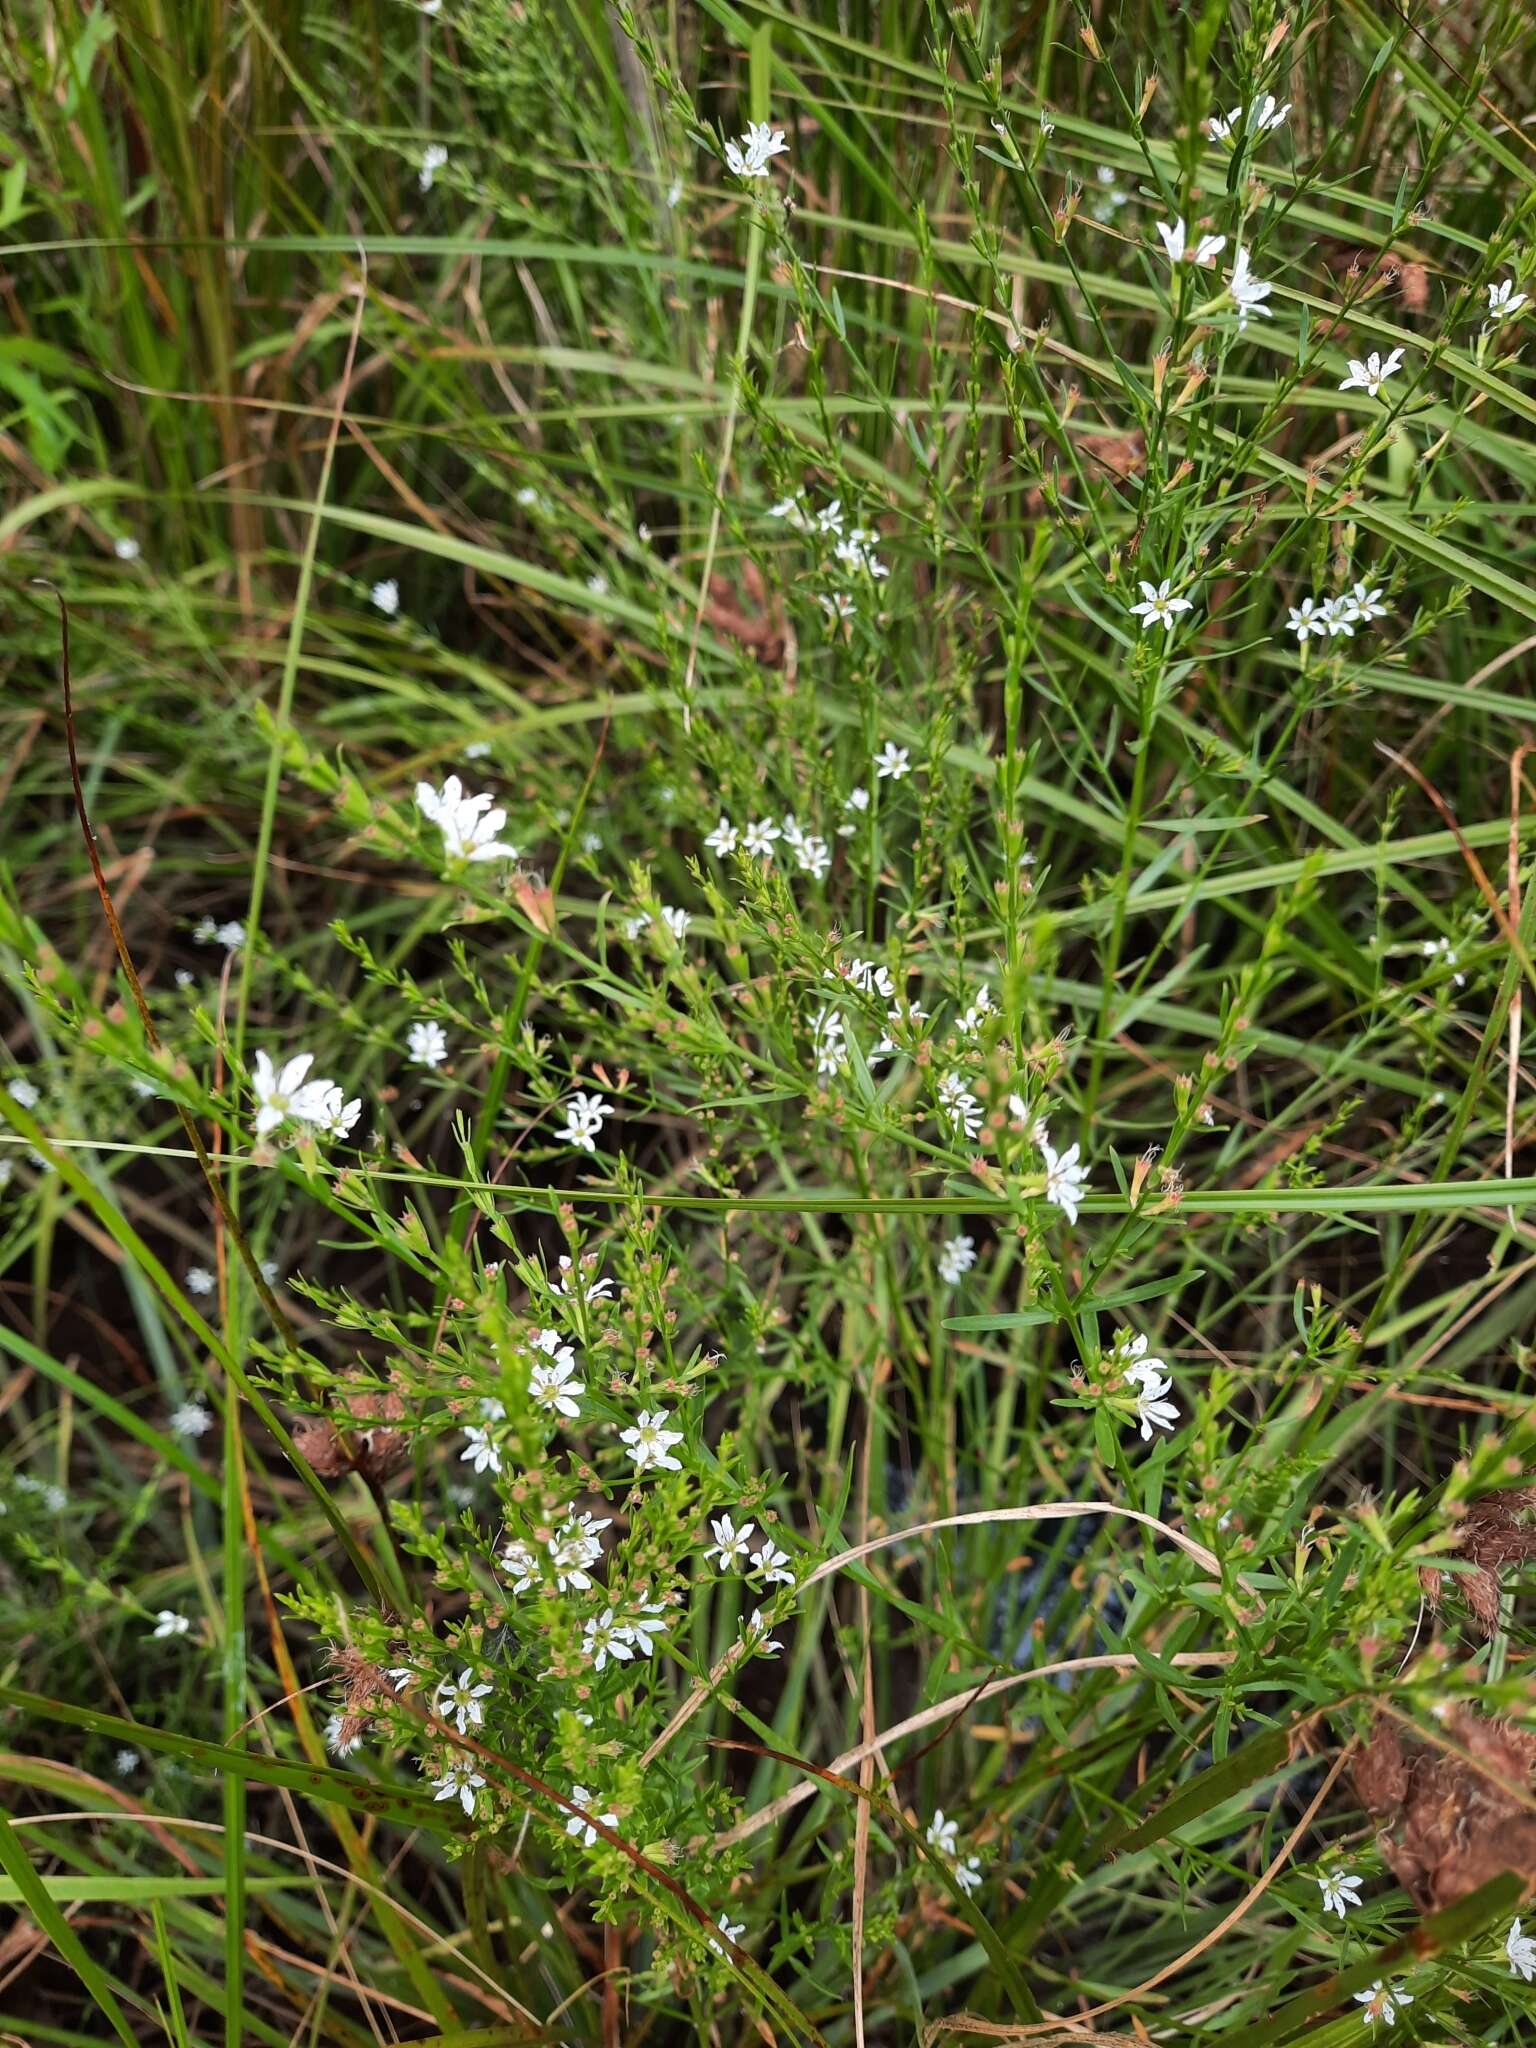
x,y
814,856
959,1105
426,1044
857,799
459,1782
280,1092
578,1826
23,1091
1340,1891
199,1280
676,921
604,1637
400,1676
190,1420
750,157
838,604
1382,2002
1157,608
650,1443
1521,1951
480,1452
1248,294
597,583
968,1874
1308,621
644,1629
871,979
724,839
956,1257
892,761
126,548
856,553
757,840
433,158
552,1385
755,1639
1370,375
791,510
521,1566
1149,1377
469,824
774,1564
337,1743
125,1761
576,1283
1503,300
982,1005
330,1114
584,1118
574,1548
1066,1178
1338,616
386,595
1365,602
1263,118
943,1835
827,1041
733,1930
169,1623
458,1700
231,936
1175,245
730,1543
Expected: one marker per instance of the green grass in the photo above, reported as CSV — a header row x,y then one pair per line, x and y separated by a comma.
x,y
1255,918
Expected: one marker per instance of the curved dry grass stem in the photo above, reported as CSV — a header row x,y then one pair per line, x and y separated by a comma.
x,y
952,1709
1053,1511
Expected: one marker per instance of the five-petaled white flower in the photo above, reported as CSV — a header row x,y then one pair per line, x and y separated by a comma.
x,y
958,1104
1370,375
469,824
190,1420
584,1118
458,1700
774,1565
574,1548
892,762
386,596
828,1041
1521,1951
724,839
1382,2002
1308,621
199,1280
1157,607
968,1874
676,921
480,1452
553,1383
758,838
943,1835
750,157
645,1627
1503,300
426,1044
733,1930
731,1543
285,1093
1176,244
1066,1178
1340,1891
650,1442
1365,602
956,1258
579,1825
169,1623
1248,294
459,1782
604,1637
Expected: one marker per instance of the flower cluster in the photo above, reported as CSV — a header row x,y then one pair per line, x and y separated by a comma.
x,y
287,1095
751,155
1335,617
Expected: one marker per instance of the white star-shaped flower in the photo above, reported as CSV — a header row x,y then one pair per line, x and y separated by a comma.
x,y
1066,1178
650,1442
1177,248
1370,375
469,824
1340,1891
1158,607
750,157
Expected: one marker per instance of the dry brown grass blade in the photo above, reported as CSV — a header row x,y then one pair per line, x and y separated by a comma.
x,y
1053,1511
